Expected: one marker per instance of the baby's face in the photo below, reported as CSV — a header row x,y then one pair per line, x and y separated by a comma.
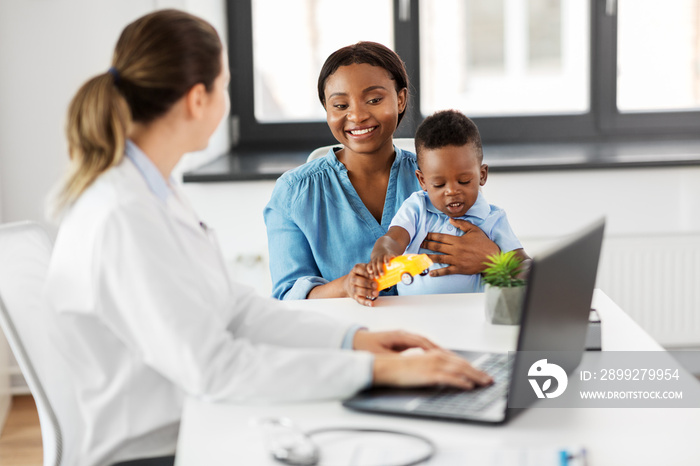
x,y
451,176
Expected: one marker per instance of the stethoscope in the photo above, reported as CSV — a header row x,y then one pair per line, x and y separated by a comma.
x,y
289,445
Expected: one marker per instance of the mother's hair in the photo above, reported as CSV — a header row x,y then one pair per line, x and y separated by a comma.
x,y
371,53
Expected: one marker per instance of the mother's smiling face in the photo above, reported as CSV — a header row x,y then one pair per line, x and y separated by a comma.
x,y
363,106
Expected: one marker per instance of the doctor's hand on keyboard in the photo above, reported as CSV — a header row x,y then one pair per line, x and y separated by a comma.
x,y
393,341
435,366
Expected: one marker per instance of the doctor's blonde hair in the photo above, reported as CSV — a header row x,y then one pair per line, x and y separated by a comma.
x,y
157,60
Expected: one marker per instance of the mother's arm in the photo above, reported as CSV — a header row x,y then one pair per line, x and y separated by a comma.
x,y
464,254
295,274
293,268
356,285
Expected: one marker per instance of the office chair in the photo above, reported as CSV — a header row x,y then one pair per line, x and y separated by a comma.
x,y
401,143
25,250
320,152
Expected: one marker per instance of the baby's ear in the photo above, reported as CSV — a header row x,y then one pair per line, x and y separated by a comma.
x,y
483,174
421,179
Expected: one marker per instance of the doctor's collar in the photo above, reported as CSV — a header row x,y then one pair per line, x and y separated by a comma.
x,y
148,170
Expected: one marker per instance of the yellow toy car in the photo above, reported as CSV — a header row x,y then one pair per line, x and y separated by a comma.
x,y
402,269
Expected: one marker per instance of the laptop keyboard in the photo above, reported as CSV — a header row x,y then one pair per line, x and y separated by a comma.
x,y
447,400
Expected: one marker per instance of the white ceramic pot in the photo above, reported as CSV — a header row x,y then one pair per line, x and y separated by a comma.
x,y
504,305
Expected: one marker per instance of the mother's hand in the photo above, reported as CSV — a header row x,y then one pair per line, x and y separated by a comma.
x,y
464,254
359,286
356,285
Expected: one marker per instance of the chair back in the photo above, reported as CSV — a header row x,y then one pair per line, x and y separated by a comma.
x,y
25,250
320,152
401,143
408,144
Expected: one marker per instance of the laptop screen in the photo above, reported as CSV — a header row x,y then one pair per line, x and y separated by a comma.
x,y
557,304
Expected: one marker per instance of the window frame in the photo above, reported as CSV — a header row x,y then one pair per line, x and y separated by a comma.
x,y
602,122
611,121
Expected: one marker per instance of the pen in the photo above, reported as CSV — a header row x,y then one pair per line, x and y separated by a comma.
x,y
565,458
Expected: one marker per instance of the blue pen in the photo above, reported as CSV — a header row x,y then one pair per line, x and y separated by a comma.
x,y
565,456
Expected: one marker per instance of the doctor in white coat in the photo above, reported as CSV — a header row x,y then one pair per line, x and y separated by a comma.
x,y
146,313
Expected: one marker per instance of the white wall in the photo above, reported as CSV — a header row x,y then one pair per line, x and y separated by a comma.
x,y
47,50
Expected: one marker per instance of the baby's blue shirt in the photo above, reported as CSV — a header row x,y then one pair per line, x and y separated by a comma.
x,y
418,217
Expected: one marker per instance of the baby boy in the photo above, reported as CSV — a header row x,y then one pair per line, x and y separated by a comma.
x,y
450,173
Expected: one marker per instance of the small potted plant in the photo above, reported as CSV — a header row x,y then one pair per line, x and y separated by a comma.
x,y
505,288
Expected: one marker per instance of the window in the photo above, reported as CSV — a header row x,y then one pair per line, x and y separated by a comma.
x,y
658,48
500,57
525,70
287,59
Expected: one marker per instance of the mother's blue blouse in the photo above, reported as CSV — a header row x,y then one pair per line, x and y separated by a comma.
x,y
318,228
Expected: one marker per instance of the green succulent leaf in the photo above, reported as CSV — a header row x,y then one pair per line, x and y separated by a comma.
x,y
502,270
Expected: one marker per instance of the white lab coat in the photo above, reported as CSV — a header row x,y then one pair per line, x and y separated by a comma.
x,y
148,316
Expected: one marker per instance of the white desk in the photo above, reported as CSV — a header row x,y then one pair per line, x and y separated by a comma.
x,y
225,434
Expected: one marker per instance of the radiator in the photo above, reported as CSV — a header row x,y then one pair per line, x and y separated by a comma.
x,y
656,280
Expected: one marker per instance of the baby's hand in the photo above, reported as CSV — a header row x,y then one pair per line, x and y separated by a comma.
x,y
376,265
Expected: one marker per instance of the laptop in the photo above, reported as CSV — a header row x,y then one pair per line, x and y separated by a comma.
x,y
555,315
